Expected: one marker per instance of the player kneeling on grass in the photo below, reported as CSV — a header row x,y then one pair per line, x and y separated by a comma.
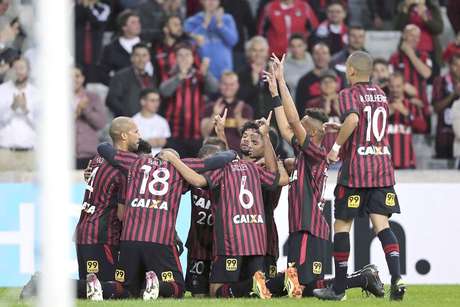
x,y
308,229
147,247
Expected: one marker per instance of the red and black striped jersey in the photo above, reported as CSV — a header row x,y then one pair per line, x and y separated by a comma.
x,y
366,154
271,199
105,189
306,189
401,62
165,59
239,215
199,241
184,108
153,197
400,137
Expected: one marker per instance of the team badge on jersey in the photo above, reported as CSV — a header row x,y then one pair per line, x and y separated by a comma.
x,y
231,264
92,266
353,201
167,276
119,275
390,199
317,267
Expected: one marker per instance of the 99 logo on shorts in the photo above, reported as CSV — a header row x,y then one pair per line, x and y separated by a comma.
x,y
317,267
119,275
390,199
231,264
167,276
92,266
353,201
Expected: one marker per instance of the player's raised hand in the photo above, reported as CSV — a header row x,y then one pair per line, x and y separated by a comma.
x,y
167,155
87,172
333,156
270,78
219,123
278,66
264,124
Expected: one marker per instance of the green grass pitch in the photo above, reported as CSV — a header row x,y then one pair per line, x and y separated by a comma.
x,y
420,296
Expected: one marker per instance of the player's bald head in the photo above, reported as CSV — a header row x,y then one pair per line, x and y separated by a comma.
x,y
120,125
361,62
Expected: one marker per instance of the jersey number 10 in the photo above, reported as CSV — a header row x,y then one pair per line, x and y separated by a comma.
x,y
373,123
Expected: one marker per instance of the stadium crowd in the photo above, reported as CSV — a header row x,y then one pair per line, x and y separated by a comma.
x,y
175,64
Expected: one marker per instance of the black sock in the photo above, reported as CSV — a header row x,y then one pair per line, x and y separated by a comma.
x,y
391,248
241,288
276,285
171,289
341,253
113,290
316,284
81,288
224,291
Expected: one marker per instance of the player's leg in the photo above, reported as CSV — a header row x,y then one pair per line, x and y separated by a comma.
x,y
164,261
297,272
275,280
383,202
348,203
197,277
254,268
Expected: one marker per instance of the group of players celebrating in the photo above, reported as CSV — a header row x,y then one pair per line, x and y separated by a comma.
x,y
127,246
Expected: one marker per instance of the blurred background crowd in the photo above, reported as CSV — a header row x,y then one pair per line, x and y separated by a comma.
x,y
173,65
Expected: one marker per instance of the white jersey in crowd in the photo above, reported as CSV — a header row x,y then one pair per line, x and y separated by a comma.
x,y
152,127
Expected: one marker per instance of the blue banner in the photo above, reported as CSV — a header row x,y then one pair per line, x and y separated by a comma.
x,y
19,230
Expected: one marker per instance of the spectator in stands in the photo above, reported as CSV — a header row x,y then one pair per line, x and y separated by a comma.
x,y
176,7
281,18
253,89
309,85
381,76
298,61
402,113
152,127
453,12
165,56
126,85
238,112
245,24
91,17
90,118
18,119
185,103
416,68
382,13
117,54
333,31
451,49
446,90
8,52
328,101
356,40
215,33
152,17
426,15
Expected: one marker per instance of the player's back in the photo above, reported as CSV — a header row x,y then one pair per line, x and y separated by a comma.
x,y
239,214
153,196
98,219
366,154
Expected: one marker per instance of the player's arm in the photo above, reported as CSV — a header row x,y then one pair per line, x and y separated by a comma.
x,y
288,104
347,128
120,211
284,176
215,162
219,127
281,120
189,174
269,153
108,152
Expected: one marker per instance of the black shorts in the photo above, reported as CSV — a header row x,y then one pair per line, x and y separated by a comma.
x,y
101,259
227,269
353,202
137,258
197,276
270,266
308,254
